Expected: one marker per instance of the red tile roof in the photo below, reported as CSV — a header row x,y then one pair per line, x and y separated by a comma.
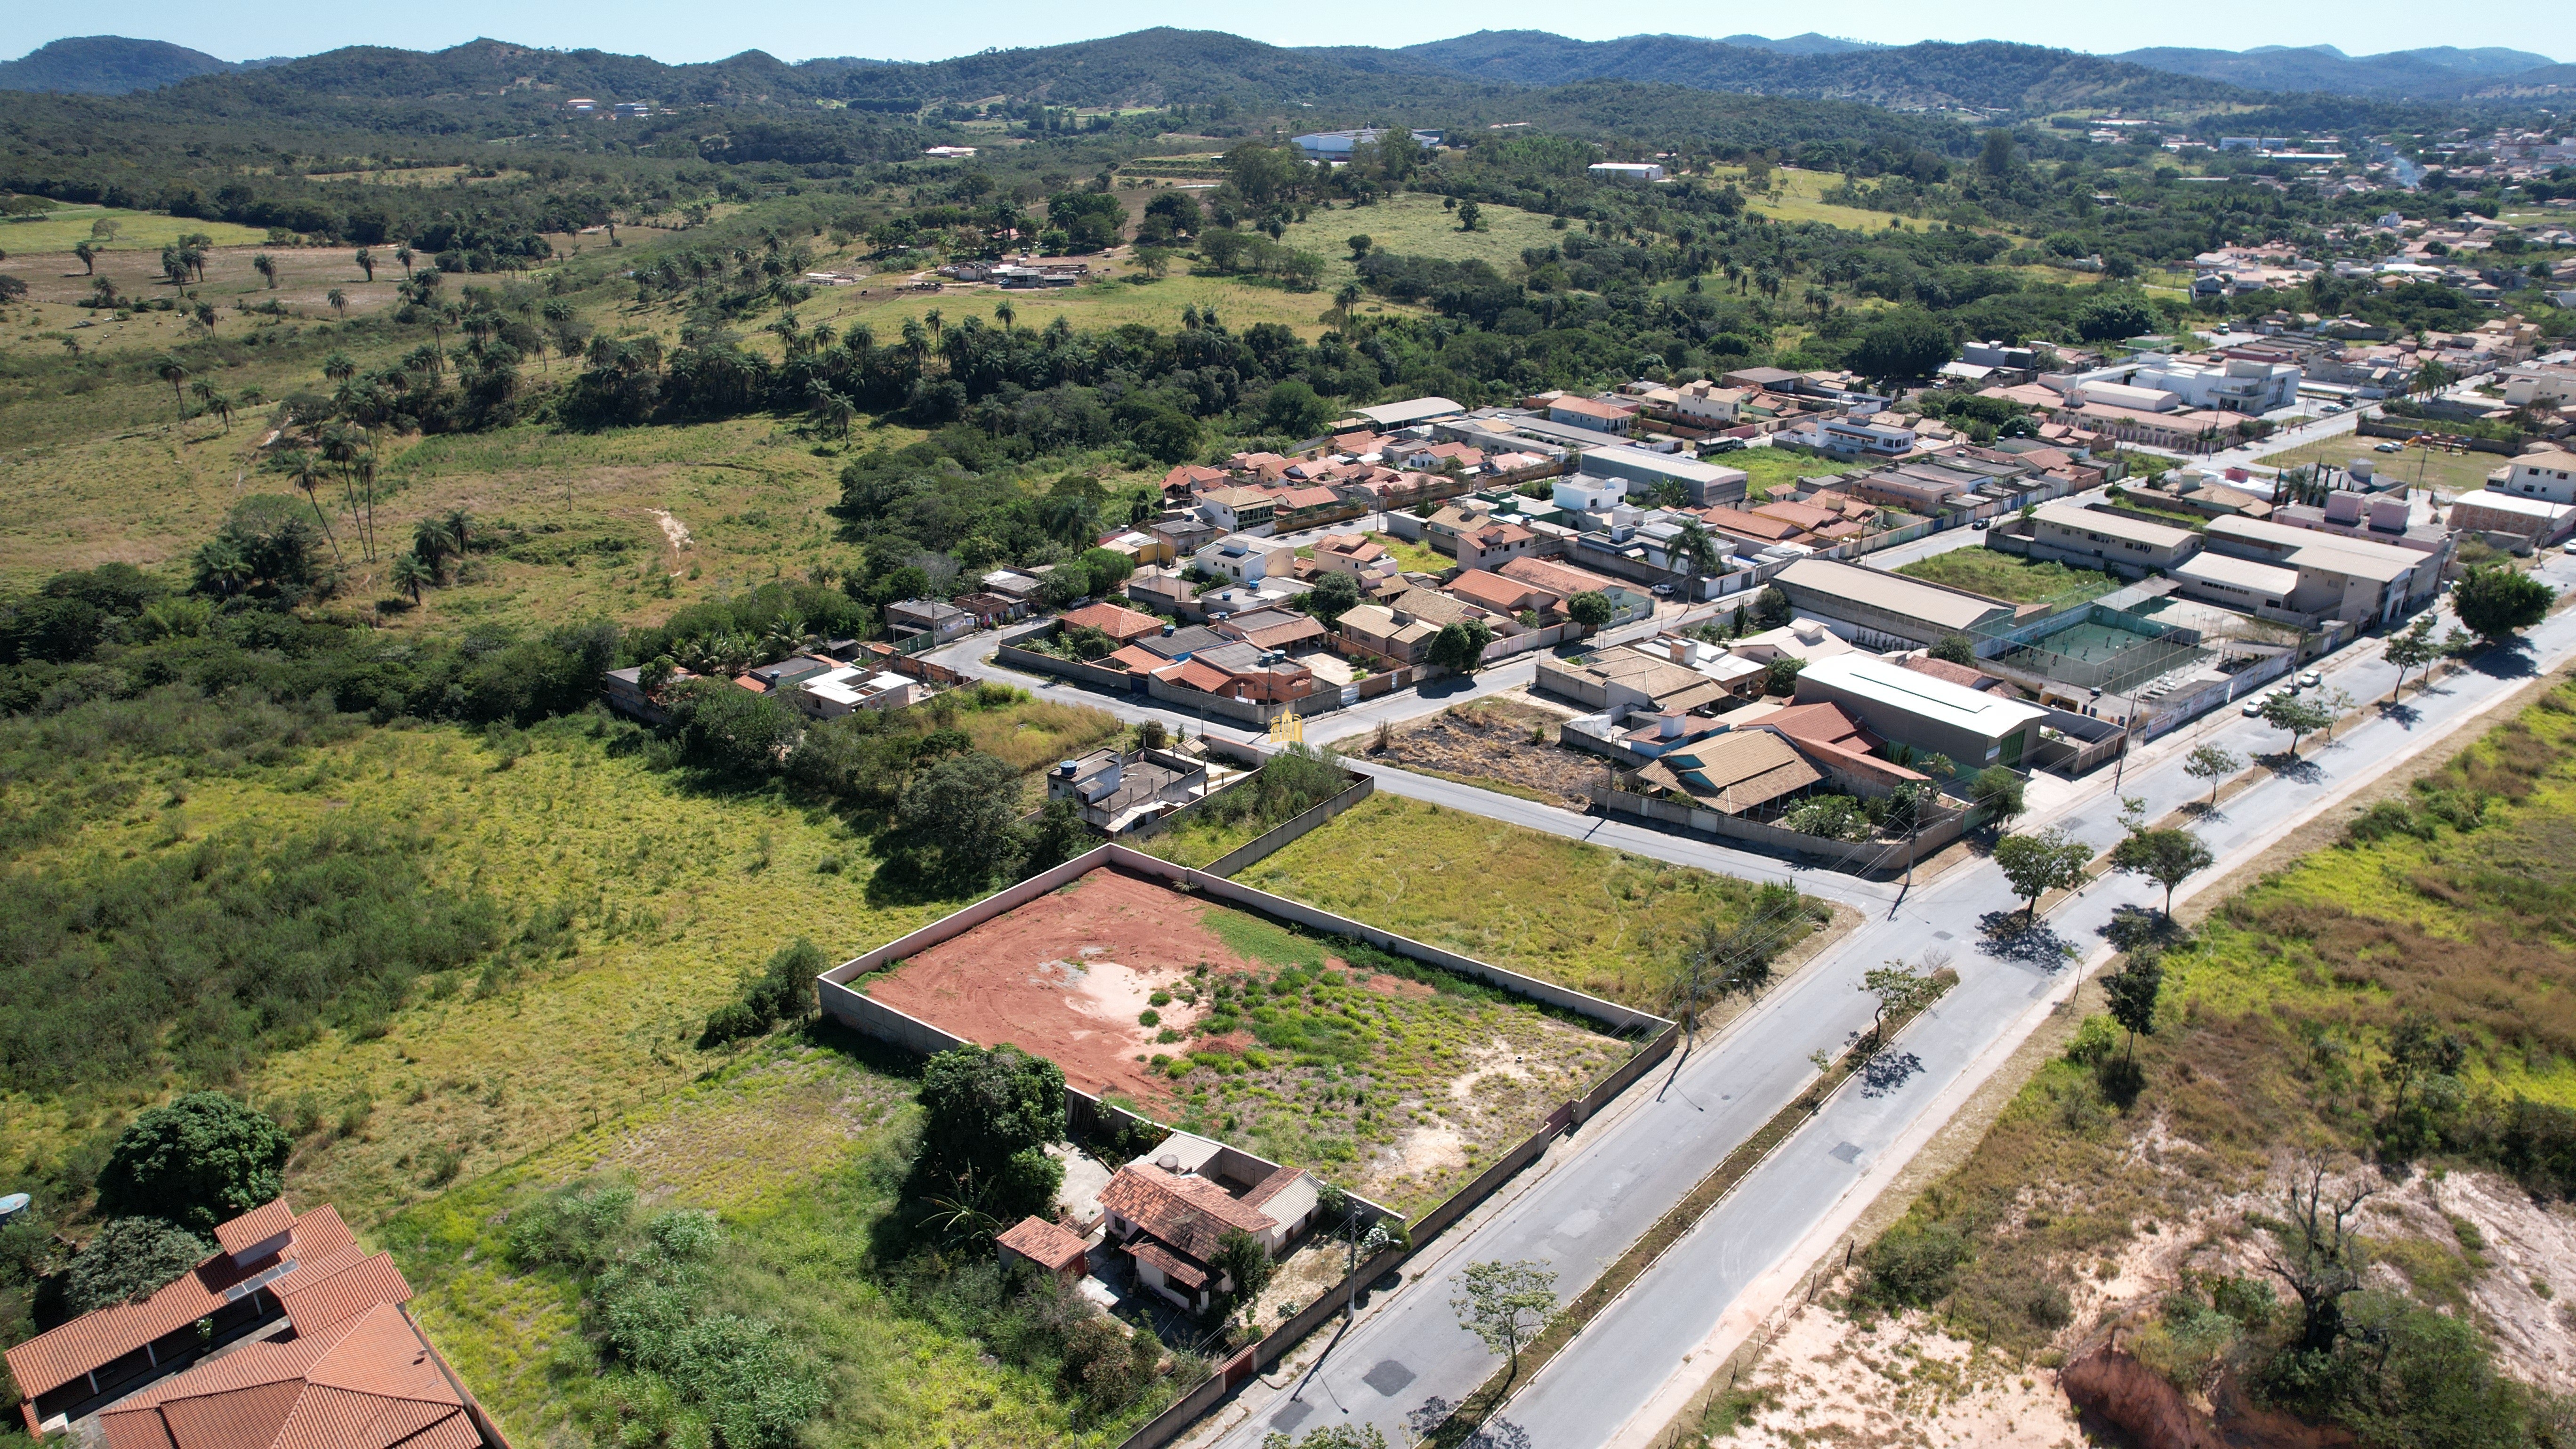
x,y
1277,1182
255,1227
1175,1267
1186,1212
1119,624
1205,678
1049,1245
368,1383
1491,590
54,1358
319,1295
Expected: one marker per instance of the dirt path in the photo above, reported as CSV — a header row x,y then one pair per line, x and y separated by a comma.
x,y
674,530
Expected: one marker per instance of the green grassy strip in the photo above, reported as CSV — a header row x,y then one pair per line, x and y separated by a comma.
x,y
1571,1320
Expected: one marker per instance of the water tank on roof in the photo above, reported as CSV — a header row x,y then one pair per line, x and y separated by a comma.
x,y
12,1205
1169,1162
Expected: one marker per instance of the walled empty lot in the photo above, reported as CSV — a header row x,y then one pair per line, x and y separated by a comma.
x,y
1394,1079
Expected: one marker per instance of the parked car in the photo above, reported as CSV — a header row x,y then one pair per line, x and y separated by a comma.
x,y
2254,706
2310,679
2389,448
2333,408
1981,525
1663,588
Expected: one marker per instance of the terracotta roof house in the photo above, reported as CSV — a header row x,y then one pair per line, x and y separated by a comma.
x,y
1356,554
1493,544
1170,1213
1760,528
1502,595
368,1382
1272,628
1051,1247
1375,629
272,1265
1189,479
1119,624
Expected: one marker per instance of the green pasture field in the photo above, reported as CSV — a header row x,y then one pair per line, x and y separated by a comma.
x,y
1413,224
63,227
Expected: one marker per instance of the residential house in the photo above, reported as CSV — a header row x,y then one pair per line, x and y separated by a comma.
x,y
1508,597
2549,474
941,620
847,690
1186,535
1049,1247
1121,625
1834,741
1733,772
1754,528
1620,682
288,1326
1378,630
1356,554
624,691
1236,556
1240,671
1627,603
1012,584
1632,172
1141,549
789,671
1168,1211
1493,543
1171,642
1162,590
1239,510
1186,482
1589,493
990,610
1282,630
1828,516
1868,605
1591,413
1800,639
1708,404
1118,790
1973,727
1854,438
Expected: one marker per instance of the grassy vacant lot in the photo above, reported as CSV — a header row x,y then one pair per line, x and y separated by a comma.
x,y
2445,473
1769,468
1797,195
1597,920
1414,224
1398,1082
797,1150
1413,557
2274,1033
2000,575
60,229
1238,302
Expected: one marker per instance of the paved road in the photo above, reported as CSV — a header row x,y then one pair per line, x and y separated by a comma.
x,y
1621,1173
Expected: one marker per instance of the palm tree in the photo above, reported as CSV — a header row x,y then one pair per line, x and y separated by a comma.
x,y
431,542
1697,549
174,372
1005,313
366,261
266,266
339,301
460,529
305,471
403,255
339,367
410,574
223,407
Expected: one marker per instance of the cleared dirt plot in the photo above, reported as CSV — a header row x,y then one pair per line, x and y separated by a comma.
x,y
1500,744
1396,1079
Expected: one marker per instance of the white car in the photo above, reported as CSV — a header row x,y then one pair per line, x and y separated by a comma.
x,y
2311,679
2333,408
2389,448
2254,707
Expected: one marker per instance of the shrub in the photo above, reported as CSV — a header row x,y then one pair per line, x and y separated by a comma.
x,y
1911,1266
783,990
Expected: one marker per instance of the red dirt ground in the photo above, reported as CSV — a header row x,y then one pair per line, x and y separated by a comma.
x,y
1065,976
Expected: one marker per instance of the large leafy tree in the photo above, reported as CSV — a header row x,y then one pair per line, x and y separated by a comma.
x,y
196,1162
2497,602
964,812
987,1117
1904,344
2037,864
130,1258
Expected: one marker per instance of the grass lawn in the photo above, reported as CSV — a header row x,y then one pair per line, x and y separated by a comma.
x,y
1415,558
64,227
1239,302
1413,224
2000,575
1769,468
2447,474
1598,920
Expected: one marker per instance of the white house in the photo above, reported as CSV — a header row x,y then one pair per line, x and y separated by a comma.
x,y
1239,557
1584,493
2550,475
1629,171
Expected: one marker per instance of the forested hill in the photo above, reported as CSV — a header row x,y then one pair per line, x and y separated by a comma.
x,y
1983,74
107,65
2439,71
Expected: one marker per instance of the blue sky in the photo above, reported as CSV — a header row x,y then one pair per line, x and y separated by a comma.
x,y
673,31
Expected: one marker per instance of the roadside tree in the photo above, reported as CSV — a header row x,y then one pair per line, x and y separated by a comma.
x,y
2286,711
1505,1304
2497,602
2037,864
2167,857
2213,763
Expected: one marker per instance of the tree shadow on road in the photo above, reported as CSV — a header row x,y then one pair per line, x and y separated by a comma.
x,y
2012,936
1887,1071
2132,927
2404,716
2299,768
2509,661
